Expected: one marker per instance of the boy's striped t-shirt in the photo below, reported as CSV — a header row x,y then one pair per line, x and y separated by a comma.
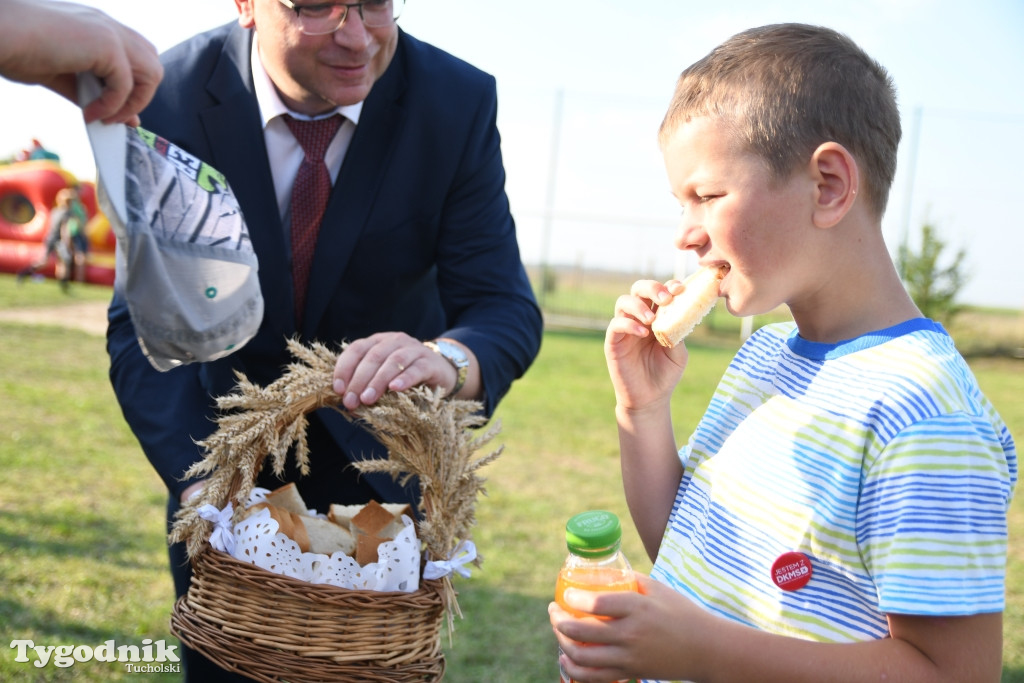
x,y
878,459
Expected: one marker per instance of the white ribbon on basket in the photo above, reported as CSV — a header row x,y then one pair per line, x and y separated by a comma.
x,y
222,537
463,554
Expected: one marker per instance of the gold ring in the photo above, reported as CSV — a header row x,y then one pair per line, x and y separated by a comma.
x,y
401,368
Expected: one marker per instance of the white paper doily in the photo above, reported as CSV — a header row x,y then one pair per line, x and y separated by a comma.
x,y
258,541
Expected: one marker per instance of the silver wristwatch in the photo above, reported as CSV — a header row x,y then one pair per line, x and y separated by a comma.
x,y
454,354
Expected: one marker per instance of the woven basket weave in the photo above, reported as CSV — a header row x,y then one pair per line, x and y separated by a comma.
x,y
272,627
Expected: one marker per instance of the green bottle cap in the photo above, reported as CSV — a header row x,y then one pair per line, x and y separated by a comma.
x,y
593,533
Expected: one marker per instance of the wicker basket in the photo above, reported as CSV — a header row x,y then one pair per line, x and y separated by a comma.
x,y
275,628
272,627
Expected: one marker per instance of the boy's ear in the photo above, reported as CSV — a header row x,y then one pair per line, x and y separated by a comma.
x,y
837,181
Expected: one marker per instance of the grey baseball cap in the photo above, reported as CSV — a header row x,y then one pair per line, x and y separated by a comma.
x,y
184,262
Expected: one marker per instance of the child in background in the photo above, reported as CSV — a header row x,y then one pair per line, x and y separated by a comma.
x,y
65,240
839,513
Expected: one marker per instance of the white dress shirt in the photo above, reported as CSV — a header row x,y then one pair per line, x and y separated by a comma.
x,y
283,150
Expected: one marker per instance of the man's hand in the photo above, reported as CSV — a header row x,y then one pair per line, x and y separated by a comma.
x,y
394,361
48,43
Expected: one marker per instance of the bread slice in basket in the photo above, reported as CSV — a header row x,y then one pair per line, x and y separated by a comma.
x,y
328,538
356,530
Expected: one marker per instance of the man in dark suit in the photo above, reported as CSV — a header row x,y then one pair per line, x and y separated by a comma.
x,y
416,243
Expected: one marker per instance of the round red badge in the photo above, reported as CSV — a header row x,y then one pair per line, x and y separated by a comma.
x,y
791,571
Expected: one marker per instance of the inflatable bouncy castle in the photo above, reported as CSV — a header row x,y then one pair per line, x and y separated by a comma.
x,y
28,191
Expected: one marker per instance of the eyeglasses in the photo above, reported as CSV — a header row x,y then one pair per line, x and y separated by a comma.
x,y
328,17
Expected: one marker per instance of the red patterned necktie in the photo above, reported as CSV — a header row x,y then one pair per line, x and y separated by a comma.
x,y
309,197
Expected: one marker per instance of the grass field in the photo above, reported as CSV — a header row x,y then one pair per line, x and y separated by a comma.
x,y
82,556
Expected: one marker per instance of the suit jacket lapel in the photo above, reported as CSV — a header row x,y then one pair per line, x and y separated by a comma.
x,y
358,183
235,134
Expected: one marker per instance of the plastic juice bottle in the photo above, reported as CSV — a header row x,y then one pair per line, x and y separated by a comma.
x,y
595,561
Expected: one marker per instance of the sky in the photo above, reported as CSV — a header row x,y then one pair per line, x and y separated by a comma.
x,y
582,88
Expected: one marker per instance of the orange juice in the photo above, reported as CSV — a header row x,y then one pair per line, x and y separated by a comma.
x,y
595,562
597,579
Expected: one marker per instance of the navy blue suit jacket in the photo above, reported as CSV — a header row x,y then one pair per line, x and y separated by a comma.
x,y
417,237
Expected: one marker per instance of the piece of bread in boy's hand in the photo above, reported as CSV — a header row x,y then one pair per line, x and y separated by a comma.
x,y
327,537
289,498
675,320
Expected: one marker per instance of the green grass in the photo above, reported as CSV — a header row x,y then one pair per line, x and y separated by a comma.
x,y
33,293
81,511
82,556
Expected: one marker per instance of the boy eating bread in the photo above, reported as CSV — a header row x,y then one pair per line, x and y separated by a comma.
x,y
839,511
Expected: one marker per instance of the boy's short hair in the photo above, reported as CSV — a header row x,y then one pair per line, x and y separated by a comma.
x,y
787,88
